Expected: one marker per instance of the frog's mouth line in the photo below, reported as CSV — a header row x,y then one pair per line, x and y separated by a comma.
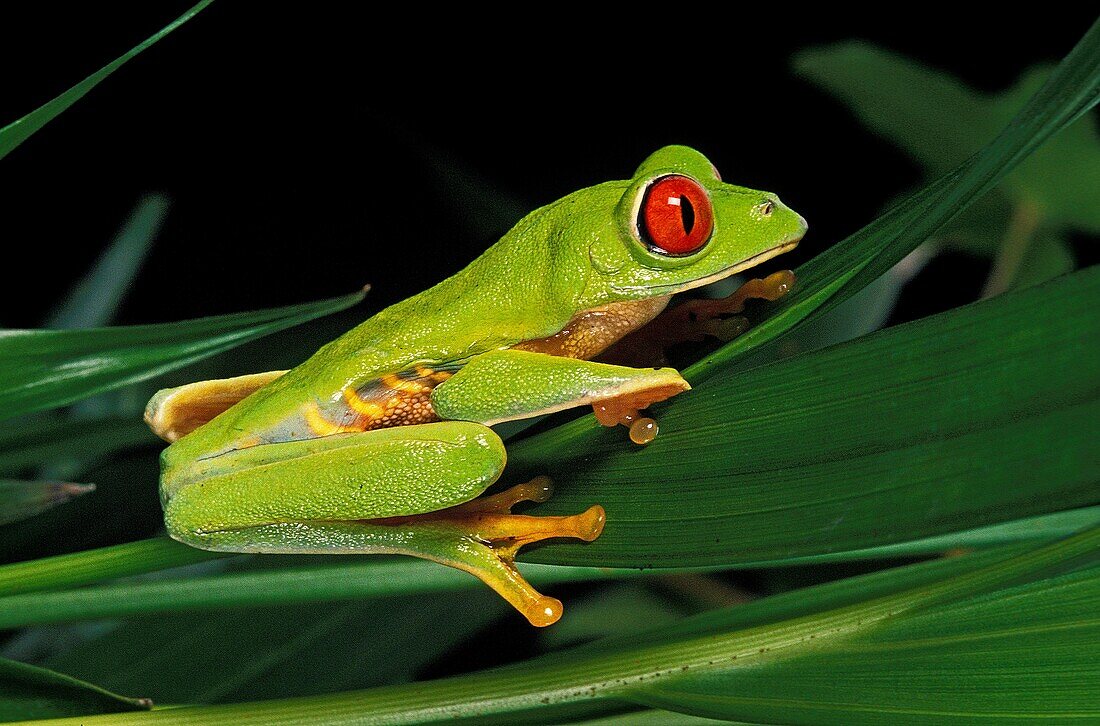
x,y
753,261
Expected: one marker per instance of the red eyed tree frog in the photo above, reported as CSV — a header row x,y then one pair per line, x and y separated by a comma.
x,y
381,442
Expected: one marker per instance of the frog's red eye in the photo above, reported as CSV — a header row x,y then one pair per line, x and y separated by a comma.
x,y
676,217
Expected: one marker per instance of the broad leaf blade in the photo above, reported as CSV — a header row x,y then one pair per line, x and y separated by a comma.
x,y
20,130
916,605
278,652
1020,653
935,426
42,369
369,578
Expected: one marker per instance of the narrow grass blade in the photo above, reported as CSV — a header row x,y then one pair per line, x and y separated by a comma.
x,y
95,299
41,369
360,578
20,130
28,693
850,265
23,499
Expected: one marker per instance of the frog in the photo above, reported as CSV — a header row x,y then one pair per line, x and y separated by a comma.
x,y
382,442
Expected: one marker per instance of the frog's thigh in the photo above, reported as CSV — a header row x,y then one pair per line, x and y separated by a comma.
x,y
391,472
394,491
175,412
514,384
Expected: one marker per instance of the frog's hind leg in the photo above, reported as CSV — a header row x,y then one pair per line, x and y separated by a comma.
x,y
493,537
175,412
403,490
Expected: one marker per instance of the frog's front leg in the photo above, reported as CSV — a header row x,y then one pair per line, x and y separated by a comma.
x,y
507,385
403,490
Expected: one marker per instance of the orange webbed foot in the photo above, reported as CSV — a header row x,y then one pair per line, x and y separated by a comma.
x,y
490,537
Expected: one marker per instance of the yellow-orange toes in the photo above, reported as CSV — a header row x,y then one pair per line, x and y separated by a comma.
x,y
697,318
496,537
626,410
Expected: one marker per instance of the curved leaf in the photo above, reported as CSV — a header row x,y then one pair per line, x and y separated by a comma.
x,y
356,578
42,369
850,265
679,668
20,130
931,427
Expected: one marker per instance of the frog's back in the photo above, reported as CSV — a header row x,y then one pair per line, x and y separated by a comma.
x,y
382,372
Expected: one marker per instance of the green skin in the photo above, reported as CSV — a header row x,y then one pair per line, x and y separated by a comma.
x,y
310,496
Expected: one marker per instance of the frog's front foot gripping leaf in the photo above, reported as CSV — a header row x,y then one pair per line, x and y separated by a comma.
x,y
694,320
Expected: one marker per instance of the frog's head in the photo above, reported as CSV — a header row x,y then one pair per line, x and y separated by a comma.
x,y
677,226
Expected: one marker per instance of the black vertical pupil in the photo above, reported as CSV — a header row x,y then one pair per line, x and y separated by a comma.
x,y
687,214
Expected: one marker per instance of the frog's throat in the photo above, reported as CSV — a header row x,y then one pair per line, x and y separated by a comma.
x,y
753,261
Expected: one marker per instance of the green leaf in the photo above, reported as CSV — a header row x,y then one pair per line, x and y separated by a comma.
x,y
1019,652
815,454
42,369
931,115
95,299
1047,257
20,130
352,578
278,652
33,442
92,565
22,499
357,578
1007,598
652,717
775,486
939,122
850,265
27,692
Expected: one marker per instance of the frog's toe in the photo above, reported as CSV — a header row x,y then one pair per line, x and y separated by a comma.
x,y
488,538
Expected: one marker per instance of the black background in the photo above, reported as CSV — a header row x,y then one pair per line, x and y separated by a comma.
x,y
296,142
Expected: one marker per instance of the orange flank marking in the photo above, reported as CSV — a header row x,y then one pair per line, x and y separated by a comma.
x,y
396,383
360,405
395,399
321,426
436,377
